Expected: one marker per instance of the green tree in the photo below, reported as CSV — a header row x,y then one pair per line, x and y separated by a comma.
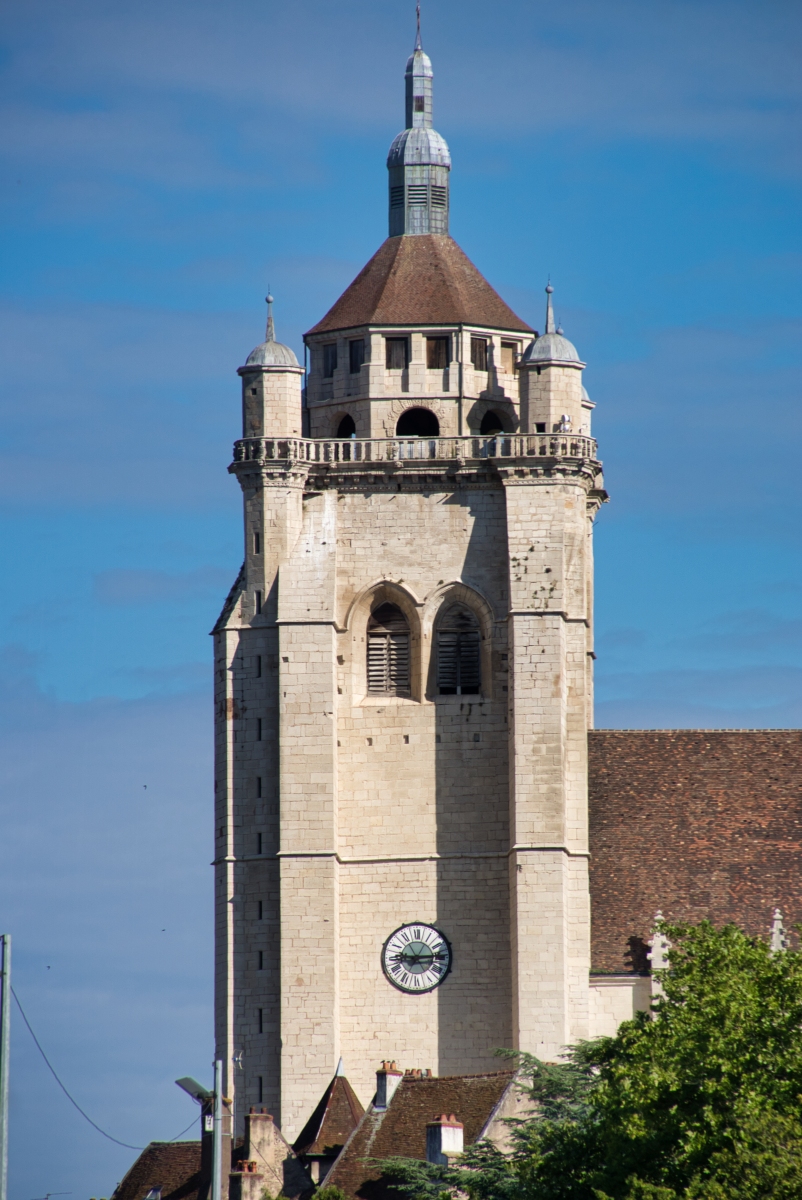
x,y
701,1100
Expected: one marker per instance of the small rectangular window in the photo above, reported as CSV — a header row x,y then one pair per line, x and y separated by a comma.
x,y
258,601
260,1089
508,353
261,911
260,1019
257,542
397,196
258,666
329,360
261,960
258,843
356,355
259,788
436,352
540,427
397,353
420,104
479,353
258,729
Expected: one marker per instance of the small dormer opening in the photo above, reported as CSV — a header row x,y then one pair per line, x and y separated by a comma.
x,y
508,357
479,353
437,352
397,353
356,355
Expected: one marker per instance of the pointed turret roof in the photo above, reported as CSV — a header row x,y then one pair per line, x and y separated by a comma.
x,y
333,1121
422,280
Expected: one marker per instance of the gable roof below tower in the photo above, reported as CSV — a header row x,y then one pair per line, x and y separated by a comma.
x,y
423,279
400,1129
333,1121
701,824
171,1168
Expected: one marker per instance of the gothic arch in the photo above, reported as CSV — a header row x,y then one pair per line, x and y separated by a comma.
x,y
383,591
437,604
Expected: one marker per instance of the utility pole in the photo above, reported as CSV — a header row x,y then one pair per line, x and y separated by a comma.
x,y
5,1045
217,1143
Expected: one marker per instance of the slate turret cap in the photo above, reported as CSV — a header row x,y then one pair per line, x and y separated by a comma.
x,y
552,346
271,353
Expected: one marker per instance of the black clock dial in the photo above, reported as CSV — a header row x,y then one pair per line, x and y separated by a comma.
x,y
416,958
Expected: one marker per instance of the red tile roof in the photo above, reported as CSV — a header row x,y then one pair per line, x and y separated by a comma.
x,y
423,279
697,823
175,1167
333,1121
400,1129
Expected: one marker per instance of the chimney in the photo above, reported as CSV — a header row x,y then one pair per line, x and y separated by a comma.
x,y
443,1139
388,1078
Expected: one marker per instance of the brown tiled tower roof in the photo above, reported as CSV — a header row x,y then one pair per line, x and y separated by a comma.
x,y
333,1121
701,824
400,1129
423,279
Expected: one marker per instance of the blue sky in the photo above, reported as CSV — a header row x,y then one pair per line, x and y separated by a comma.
x,y
161,162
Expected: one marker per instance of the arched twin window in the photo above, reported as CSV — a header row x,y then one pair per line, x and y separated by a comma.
x,y
459,669
388,651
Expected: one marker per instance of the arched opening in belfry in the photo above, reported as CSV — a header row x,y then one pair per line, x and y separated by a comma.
x,y
459,670
388,651
491,423
418,422
347,427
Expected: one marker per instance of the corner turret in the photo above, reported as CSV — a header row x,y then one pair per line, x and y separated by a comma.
x,y
551,382
271,388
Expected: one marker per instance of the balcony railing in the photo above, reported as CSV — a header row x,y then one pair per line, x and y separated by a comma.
x,y
441,449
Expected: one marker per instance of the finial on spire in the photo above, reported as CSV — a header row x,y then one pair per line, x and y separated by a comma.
x,y
550,328
418,45
270,335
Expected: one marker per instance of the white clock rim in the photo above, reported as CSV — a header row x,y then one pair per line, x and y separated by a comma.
x,y
417,991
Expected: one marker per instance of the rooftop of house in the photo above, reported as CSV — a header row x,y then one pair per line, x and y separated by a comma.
x,y
333,1121
700,824
170,1169
420,280
400,1129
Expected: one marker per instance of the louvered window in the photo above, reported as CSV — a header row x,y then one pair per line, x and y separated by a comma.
x,y
458,653
416,193
396,353
438,196
397,196
436,352
388,651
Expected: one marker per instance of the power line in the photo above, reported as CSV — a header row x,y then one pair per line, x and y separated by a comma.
x,y
72,1101
127,1145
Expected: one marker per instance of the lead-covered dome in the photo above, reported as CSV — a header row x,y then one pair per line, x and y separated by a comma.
x,y
551,347
419,147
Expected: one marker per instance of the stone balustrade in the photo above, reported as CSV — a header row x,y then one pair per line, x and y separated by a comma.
x,y
383,450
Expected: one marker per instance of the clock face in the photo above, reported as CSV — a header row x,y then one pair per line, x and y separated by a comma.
x,y
416,958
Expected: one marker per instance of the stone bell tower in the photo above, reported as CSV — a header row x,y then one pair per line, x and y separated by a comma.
x,y
403,675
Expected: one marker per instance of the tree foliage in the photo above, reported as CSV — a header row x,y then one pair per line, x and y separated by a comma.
x,y
699,1100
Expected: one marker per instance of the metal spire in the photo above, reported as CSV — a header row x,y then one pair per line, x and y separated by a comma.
x,y
418,45
270,335
550,327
